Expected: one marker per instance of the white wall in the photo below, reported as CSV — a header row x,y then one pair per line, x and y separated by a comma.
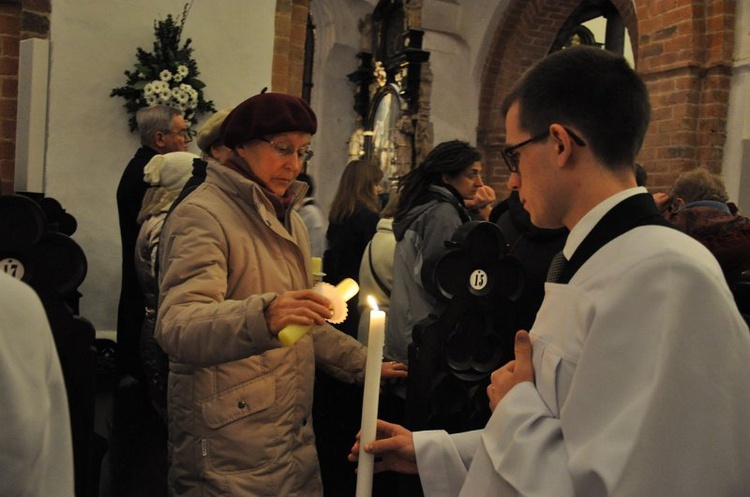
x,y
337,43
457,35
93,42
736,162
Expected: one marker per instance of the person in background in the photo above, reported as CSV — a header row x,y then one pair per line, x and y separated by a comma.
x,y
699,206
235,271
376,268
313,216
212,148
534,247
352,222
430,208
209,140
638,343
162,130
36,458
337,408
167,174
641,175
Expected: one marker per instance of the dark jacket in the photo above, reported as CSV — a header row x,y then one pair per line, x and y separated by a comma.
x,y
346,244
726,235
534,247
130,310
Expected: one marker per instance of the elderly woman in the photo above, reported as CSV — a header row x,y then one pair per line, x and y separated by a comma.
x,y
235,271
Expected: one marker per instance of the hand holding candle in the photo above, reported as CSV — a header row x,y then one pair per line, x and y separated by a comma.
x,y
338,296
371,396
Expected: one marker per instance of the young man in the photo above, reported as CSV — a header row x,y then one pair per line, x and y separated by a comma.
x,y
633,379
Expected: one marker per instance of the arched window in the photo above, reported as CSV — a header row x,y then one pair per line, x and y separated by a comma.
x,y
597,23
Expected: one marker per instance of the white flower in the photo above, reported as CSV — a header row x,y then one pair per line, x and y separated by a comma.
x,y
165,75
182,70
177,78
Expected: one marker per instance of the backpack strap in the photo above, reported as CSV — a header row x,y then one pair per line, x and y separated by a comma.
x,y
375,276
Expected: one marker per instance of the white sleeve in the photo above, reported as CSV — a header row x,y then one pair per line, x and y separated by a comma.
x,y
657,405
443,460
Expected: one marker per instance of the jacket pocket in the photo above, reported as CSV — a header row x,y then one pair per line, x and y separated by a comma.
x,y
240,433
243,400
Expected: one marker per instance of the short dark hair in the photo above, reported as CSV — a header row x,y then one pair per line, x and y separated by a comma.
x,y
641,175
153,119
591,90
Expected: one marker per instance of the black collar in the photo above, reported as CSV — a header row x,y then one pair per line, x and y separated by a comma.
x,y
638,210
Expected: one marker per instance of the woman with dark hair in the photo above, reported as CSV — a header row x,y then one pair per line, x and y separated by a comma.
x,y
351,224
430,208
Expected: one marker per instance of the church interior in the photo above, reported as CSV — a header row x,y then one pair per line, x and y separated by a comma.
x,y
387,79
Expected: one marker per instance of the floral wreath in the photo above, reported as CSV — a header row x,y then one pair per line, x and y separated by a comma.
x,y
168,76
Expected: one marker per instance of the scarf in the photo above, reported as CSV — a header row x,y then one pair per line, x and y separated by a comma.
x,y
280,203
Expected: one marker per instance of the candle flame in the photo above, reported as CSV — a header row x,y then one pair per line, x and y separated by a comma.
x,y
373,303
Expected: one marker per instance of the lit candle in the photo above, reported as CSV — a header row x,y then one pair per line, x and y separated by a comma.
x,y
371,396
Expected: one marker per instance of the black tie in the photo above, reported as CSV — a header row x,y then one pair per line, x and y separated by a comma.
x,y
556,267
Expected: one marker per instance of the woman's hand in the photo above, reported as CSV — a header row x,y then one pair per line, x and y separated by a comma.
x,y
306,307
393,370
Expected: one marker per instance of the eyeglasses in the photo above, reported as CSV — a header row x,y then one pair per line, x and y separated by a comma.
x,y
287,149
473,175
188,134
511,156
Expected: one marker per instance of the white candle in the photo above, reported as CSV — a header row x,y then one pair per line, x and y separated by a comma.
x,y
370,399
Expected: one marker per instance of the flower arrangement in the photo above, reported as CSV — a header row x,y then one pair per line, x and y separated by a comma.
x,y
166,76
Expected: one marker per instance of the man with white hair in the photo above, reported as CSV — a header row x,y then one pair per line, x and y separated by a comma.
x,y
162,130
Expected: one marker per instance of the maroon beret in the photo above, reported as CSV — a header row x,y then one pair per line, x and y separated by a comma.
x,y
267,114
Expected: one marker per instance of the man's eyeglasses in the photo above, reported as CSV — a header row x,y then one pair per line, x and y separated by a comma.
x,y
287,149
188,134
511,156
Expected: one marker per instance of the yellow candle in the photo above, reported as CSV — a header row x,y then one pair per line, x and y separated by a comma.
x,y
317,265
345,290
370,399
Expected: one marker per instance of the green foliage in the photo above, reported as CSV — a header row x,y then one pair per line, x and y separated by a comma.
x,y
168,75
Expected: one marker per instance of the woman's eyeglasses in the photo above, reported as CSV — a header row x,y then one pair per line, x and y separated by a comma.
x,y
287,149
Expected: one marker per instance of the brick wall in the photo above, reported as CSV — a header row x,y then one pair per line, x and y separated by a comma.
x,y
18,21
683,50
289,46
10,29
686,58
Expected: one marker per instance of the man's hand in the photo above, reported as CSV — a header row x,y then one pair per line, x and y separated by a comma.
x,y
393,370
514,372
297,307
395,445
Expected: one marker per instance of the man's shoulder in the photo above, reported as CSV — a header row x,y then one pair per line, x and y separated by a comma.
x,y
663,247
